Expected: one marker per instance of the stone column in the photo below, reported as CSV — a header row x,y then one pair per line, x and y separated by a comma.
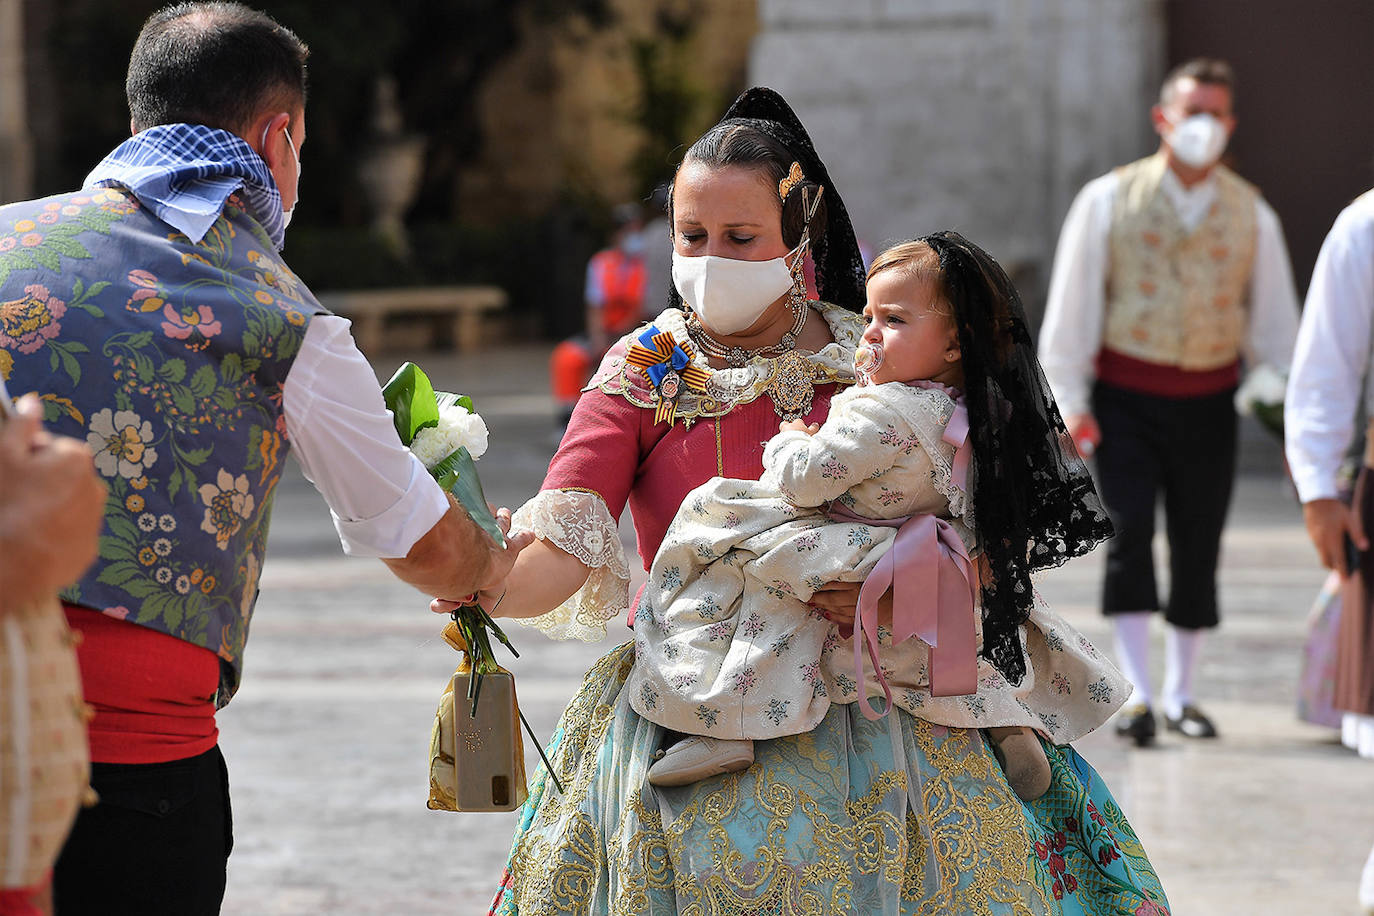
x,y
16,149
985,116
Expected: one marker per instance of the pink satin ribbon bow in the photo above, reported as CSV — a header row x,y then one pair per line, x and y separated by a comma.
x,y
934,591
956,434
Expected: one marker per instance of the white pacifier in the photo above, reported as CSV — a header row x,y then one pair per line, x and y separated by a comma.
x,y
867,359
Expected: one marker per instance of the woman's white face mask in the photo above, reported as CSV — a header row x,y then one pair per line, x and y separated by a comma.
x,y
728,295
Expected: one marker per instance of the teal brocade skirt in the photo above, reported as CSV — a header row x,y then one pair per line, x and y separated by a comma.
x,y
893,816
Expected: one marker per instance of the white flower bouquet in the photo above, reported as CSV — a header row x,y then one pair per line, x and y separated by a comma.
x,y
1261,396
447,435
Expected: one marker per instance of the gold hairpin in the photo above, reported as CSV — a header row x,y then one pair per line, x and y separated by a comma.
x,y
794,175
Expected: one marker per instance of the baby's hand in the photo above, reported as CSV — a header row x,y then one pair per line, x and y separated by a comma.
x,y
799,426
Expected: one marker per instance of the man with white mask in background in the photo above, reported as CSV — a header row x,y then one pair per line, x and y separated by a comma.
x,y
1170,272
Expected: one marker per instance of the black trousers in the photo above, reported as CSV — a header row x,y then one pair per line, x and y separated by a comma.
x,y
156,844
1183,449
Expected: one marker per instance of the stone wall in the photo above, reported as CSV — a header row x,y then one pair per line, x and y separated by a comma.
x,y
981,115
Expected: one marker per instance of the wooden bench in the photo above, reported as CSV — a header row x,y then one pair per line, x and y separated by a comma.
x,y
463,306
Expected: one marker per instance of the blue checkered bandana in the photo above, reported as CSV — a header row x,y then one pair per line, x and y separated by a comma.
x,y
185,172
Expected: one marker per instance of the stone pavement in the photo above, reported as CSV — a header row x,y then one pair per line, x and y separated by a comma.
x,y
327,742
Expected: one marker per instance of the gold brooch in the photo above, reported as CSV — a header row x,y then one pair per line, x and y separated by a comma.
x,y
794,175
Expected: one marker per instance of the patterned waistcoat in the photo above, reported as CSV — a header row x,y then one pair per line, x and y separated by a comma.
x,y
1175,297
168,358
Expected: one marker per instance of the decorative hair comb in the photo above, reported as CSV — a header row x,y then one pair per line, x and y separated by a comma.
x,y
794,175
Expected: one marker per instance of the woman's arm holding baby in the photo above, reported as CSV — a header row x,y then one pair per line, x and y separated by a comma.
x,y
838,601
544,576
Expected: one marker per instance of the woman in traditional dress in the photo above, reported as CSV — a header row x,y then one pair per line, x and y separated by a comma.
x,y
854,816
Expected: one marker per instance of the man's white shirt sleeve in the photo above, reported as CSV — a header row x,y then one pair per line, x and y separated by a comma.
x,y
380,496
1332,356
1075,310
1273,298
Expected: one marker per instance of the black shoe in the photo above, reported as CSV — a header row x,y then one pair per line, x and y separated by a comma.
x,y
1137,723
1192,724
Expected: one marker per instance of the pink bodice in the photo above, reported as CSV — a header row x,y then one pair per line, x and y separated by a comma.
x,y
614,449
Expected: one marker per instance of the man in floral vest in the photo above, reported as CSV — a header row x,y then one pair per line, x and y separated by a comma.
x,y
1170,272
151,313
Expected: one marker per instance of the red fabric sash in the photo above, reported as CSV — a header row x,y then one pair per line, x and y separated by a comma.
x,y
153,694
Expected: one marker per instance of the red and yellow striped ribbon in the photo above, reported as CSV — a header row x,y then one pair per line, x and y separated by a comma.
x,y
658,353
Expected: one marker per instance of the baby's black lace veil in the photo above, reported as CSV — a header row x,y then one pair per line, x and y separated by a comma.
x,y
1034,502
835,252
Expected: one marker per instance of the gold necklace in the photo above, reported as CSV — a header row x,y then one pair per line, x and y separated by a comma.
x,y
737,357
791,376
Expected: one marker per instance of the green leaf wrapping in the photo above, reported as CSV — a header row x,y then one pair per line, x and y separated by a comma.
x,y
1270,417
458,475
447,399
410,398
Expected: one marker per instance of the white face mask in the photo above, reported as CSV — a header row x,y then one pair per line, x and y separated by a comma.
x,y
729,296
287,213
1198,141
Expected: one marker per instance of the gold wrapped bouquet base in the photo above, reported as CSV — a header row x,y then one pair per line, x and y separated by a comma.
x,y
476,753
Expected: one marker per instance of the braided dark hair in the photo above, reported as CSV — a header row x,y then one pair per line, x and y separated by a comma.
x,y
761,131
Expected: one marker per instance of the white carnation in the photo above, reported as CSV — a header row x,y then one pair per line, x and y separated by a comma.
x,y
458,427
1263,386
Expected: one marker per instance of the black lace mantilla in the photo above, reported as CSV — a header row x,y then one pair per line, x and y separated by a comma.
x,y
839,264
1034,502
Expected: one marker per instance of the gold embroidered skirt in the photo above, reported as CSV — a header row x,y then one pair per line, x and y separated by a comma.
x,y
889,817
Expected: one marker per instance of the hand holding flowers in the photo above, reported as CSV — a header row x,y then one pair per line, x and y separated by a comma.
x,y
447,435
444,432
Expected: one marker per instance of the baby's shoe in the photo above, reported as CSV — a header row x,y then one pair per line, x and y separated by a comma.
x,y
696,757
1022,759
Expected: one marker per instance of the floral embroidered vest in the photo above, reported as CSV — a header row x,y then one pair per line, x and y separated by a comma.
x,y
168,359
1174,297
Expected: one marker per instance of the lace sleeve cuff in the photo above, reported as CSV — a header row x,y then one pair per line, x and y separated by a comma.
x,y
579,522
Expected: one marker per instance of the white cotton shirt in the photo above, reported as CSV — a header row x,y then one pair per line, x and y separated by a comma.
x,y
380,496
1075,312
1332,359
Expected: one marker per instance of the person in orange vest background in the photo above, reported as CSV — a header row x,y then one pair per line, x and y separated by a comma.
x,y
614,296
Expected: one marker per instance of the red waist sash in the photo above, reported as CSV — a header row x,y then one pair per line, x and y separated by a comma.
x,y
1122,371
153,694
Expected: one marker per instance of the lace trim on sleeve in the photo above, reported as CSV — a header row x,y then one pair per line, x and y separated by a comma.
x,y
579,522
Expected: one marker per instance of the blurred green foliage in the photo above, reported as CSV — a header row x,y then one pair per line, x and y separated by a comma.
x,y
439,55
671,105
